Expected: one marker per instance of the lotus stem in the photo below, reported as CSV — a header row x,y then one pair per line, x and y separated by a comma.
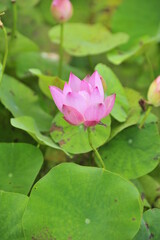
x,y
94,149
150,66
6,51
61,49
145,117
14,27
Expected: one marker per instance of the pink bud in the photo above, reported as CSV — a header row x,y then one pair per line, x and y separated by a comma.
x,y
154,92
62,10
83,101
1,24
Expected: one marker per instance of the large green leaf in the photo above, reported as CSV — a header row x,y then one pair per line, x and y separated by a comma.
x,y
141,190
117,56
3,6
140,20
28,4
155,174
12,206
74,139
7,132
21,4
134,112
18,44
82,39
46,81
75,202
121,106
45,62
151,189
21,100
29,125
19,166
143,232
150,225
134,152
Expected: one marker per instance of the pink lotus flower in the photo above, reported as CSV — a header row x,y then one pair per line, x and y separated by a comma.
x,y
62,10
154,92
83,101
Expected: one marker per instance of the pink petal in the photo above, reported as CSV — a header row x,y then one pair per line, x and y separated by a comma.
x,y
95,112
74,82
87,78
76,100
58,97
109,103
90,123
66,89
95,96
158,84
85,86
95,81
86,96
72,116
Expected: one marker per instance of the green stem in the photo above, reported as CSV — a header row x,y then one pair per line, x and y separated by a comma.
x,y
145,117
61,50
14,27
5,54
150,66
94,149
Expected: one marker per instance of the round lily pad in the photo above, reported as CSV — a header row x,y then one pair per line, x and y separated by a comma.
x,y
76,202
12,206
150,225
133,152
20,163
74,139
82,39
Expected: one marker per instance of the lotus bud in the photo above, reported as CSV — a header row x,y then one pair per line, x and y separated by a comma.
x,y
62,10
154,92
1,24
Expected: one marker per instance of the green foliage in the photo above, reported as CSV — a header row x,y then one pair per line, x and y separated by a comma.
x,y
29,125
114,86
150,225
134,112
18,44
82,39
22,101
12,206
119,39
140,20
82,203
44,62
151,189
17,159
45,81
74,138
132,153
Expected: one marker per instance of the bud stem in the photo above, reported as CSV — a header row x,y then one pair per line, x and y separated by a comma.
x,y
14,27
61,49
150,66
5,54
145,117
94,149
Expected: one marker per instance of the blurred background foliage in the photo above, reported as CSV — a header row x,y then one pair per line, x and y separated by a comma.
x,y
120,39
136,62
